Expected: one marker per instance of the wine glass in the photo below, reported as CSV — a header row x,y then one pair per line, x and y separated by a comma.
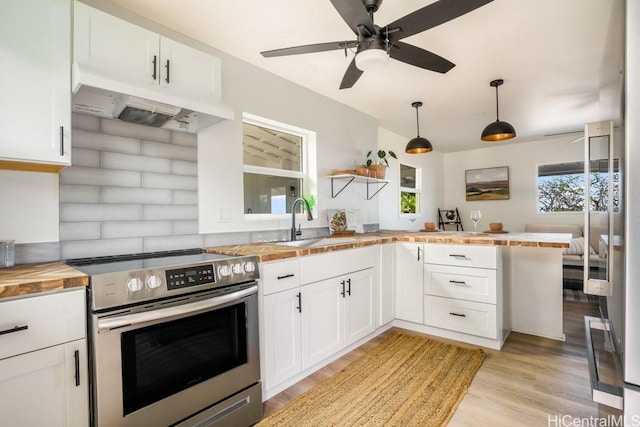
x,y
412,218
475,217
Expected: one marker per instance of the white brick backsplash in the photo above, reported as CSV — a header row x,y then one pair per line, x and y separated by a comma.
x,y
79,193
132,162
180,167
71,212
79,231
185,197
185,227
175,212
153,244
169,151
85,157
144,196
183,138
132,130
94,176
37,252
85,122
174,182
104,247
100,141
131,189
120,229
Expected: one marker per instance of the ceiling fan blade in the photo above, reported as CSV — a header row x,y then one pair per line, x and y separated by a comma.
x,y
354,14
310,48
431,16
419,57
351,76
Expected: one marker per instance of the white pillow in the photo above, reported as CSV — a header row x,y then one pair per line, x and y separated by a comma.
x,y
576,247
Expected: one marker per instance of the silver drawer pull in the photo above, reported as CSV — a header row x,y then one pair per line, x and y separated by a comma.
x,y
458,282
457,256
286,276
457,314
14,329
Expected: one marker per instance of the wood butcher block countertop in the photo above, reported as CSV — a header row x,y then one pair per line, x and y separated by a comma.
x,y
26,279
269,251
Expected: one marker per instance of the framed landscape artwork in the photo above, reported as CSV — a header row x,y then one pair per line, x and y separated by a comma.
x,y
487,184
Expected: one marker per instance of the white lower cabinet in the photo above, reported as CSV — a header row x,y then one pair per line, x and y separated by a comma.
x,y
409,288
305,324
463,291
387,287
47,385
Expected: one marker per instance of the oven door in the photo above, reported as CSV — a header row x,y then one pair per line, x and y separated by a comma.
x,y
160,363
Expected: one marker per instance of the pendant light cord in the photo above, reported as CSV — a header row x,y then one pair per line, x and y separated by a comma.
x,y
497,106
417,122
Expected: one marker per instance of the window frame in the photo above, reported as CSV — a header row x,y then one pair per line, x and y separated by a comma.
x,y
308,173
417,191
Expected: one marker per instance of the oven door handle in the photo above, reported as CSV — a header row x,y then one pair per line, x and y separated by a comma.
x,y
163,313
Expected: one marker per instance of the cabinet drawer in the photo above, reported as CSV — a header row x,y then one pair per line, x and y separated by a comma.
x,y
332,264
42,321
280,275
468,317
461,255
471,284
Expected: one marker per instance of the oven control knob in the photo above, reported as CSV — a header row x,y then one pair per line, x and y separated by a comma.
x,y
153,281
224,270
237,269
250,267
134,284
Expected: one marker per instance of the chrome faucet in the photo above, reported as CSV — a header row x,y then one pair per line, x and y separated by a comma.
x,y
297,232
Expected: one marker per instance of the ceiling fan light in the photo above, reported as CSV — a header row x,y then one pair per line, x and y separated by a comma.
x,y
371,59
498,131
418,145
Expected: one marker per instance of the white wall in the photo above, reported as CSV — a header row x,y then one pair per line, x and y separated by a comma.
x,y
522,160
343,137
432,194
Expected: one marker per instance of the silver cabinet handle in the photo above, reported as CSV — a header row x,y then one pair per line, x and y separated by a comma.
x,y
167,66
457,256
458,282
286,276
14,329
62,140
299,307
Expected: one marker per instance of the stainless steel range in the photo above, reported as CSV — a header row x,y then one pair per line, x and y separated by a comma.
x,y
173,339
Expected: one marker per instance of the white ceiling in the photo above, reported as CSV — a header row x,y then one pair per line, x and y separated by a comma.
x,y
561,61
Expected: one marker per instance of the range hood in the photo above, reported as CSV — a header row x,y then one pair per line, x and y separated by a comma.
x,y
99,95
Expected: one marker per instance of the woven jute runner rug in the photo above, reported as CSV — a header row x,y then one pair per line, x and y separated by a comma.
x,y
407,380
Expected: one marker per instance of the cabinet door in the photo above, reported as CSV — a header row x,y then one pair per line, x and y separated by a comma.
x,y
39,388
189,72
322,323
282,352
386,298
359,305
35,105
409,290
120,50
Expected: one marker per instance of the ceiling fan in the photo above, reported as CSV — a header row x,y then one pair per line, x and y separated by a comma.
x,y
375,44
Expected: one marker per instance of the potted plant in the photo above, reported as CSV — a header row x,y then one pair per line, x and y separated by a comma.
x,y
377,162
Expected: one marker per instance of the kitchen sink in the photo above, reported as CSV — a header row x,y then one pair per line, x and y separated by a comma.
x,y
313,243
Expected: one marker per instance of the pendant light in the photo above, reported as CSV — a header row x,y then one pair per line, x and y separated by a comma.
x,y
497,131
418,144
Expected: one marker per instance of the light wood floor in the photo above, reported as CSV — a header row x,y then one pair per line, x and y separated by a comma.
x,y
528,383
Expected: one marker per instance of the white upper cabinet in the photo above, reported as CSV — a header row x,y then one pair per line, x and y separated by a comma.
x,y
35,100
119,50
